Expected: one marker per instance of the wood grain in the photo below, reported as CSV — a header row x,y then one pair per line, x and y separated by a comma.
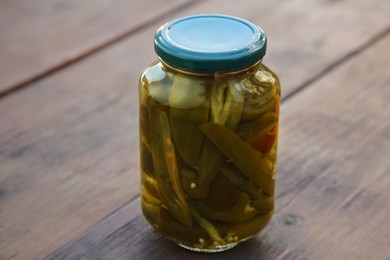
x,y
69,142
333,180
39,37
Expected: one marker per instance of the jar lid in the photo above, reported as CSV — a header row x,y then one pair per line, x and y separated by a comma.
x,y
210,42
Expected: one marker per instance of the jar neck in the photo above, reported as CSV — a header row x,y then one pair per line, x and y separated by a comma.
x,y
239,71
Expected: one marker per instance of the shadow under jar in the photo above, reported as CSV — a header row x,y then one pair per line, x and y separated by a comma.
x,y
209,114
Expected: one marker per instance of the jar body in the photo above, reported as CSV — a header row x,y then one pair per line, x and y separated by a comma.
x,y
208,145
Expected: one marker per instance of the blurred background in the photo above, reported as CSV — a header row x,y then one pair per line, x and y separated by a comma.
x,y
69,108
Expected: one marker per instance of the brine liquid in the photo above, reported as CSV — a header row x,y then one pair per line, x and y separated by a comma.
x,y
208,155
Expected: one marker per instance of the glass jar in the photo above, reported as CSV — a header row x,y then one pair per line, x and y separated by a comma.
x,y
209,114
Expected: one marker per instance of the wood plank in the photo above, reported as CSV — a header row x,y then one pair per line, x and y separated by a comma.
x,y
38,37
339,199
69,147
27,54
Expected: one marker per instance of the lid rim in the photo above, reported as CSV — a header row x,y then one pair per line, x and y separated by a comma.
x,y
188,57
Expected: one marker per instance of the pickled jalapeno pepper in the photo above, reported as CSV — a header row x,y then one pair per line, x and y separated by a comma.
x,y
209,112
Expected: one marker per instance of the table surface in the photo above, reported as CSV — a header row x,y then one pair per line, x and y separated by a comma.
x,y
69,163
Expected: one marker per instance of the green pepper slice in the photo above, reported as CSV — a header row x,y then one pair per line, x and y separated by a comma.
x,y
253,111
226,106
263,203
165,167
223,194
245,229
150,185
241,211
169,226
146,159
250,162
227,102
252,130
185,132
188,109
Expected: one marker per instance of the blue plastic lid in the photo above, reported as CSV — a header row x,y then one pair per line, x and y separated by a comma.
x,y
210,42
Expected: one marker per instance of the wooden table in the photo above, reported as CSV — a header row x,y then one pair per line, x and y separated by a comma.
x,y
69,170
